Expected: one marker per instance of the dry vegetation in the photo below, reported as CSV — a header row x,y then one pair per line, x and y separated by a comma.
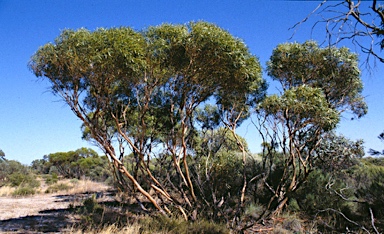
x,y
135,228
84,206
67,186
67,193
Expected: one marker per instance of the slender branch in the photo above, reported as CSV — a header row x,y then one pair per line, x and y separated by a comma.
x,y
344,216
373,221
295,26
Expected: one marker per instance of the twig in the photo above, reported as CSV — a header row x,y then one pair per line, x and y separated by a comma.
x,y
373,221
345,217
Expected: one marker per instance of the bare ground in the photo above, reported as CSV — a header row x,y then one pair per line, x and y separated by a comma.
x,y
27,206
42,213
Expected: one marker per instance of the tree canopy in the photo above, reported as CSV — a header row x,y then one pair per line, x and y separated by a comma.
x,y
334,70
318,85
164,104
142,88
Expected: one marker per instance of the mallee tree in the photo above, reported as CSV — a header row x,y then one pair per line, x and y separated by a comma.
x,y
141,89
318,85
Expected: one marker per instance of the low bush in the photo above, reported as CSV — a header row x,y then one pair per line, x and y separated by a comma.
x,y
51,179
24,191
20,179
57,187
164,224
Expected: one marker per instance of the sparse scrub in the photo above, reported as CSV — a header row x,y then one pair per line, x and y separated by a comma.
x,y
58,187
51,178
109,229
24,191
254,210
27,181
74,181
174,225
292,223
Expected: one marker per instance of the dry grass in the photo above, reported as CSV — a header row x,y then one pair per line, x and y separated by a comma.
x,y
67,186
82,186
6,191
132,229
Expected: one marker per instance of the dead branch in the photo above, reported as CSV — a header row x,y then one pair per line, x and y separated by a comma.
x,y
344,216
350,20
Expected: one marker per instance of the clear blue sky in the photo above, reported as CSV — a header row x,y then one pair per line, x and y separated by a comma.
x,y
33,122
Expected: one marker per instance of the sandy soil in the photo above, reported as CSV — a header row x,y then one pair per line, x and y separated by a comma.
x,y
27,206
45,213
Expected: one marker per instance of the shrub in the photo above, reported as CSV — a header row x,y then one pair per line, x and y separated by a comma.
x,y
254,210
51,179
57,187
18,179
292,223
24,191
178,225
90,204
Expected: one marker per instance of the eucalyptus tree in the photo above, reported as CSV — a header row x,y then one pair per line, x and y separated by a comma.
x,y
334,70
141,89
318,85
72,164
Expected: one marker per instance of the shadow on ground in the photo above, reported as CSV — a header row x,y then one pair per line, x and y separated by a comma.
x,y
65,220
47,221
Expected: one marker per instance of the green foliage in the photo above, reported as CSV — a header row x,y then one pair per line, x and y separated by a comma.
x,y
302,104
149,91
178,225
219,168
254,210
24,191
336,153
15,174
198,59
142,90
53,188
11,166
19,179
51,179
369,179
314,195
333,70
209,117
318,84
74,164
212,142
90,204
349,192
71,164
41,166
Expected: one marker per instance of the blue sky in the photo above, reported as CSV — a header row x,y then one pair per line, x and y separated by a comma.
x,y
33,122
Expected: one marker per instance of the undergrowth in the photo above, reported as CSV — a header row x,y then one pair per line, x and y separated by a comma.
x,y
99,218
